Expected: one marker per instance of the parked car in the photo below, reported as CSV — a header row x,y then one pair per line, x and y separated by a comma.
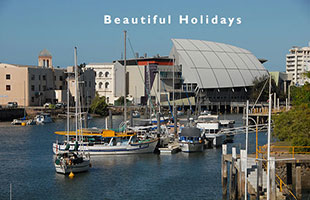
x,y
12,104
47,105
61,105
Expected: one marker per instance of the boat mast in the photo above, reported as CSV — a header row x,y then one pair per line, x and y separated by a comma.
x,y
68,107
76,93
125,81
269,136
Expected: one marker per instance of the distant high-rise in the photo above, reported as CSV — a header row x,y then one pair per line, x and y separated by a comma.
x,y
298,63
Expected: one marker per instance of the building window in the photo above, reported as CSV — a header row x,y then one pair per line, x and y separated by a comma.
x,y
33,77
39,77
44,77
60,78
32,99
100,74
8,76
100,85
89,83
47,63
44,87
107,85
32,87
107,74
54,78
60,87
8,87
39,87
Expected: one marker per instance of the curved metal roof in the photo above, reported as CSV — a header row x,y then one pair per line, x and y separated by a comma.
x,y
215,65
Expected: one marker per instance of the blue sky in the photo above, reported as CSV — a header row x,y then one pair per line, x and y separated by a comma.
x,y
268,29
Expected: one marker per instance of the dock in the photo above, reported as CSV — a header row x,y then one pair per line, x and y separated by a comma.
x,y
288,175
171,149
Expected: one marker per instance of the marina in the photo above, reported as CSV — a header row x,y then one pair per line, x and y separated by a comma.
x,y
120,176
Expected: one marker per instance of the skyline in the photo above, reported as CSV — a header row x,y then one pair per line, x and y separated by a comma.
x,y
268,29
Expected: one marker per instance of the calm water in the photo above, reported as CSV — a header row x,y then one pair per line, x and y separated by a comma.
x,y
26,160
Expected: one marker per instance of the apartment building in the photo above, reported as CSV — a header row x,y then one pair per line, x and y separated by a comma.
x,y
297,63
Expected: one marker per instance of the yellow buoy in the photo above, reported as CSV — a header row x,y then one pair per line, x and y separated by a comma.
x,y
71,175
23,123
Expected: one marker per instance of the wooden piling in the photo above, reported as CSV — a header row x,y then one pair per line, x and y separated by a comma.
x,y
233,176
224,171
239,187
298,182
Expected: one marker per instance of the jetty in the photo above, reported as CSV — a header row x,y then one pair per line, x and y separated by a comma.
x,y
289,173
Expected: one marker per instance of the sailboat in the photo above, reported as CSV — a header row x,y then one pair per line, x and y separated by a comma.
x,y
72,161
103,141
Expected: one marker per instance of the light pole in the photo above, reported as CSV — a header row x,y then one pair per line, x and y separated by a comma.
x,y
256,124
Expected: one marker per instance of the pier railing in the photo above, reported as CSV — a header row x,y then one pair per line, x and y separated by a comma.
x,y
292,150
280,182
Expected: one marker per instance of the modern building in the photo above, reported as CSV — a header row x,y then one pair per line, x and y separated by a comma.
x,y
144,84
32,85
298,63
217,72
105,80
205,73
282,80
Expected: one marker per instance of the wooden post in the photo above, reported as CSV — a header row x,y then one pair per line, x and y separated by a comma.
x,y
233,181
273,178
239,180
224,171
259,175
298,182
230,182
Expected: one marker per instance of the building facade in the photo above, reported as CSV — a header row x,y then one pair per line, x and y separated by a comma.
x,y
108,80
86,85
298,63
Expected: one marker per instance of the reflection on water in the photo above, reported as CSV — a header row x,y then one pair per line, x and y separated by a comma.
x,y
27,162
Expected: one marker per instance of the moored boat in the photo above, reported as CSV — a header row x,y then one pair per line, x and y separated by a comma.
x,y
43,118
105,142
190,140
67,162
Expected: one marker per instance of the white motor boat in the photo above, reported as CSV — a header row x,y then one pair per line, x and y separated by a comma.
x,y
43,118
210,126
190,140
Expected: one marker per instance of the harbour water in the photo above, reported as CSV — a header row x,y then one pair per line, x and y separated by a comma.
x,y
26,159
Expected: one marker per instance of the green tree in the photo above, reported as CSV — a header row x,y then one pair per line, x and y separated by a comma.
x,y
259,83
294,126
120,101
99,106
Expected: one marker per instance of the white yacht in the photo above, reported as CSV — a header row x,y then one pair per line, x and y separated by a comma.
x,y
43,118
108,142
190,140
210,126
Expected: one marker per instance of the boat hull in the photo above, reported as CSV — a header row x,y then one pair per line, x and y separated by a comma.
x,y
100,149
191,147
66,169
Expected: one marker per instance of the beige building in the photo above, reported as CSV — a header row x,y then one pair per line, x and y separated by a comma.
x,y
32,85
298,63
87,85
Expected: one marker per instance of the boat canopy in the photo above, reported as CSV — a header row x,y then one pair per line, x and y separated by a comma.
x,y
190,131
97,132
